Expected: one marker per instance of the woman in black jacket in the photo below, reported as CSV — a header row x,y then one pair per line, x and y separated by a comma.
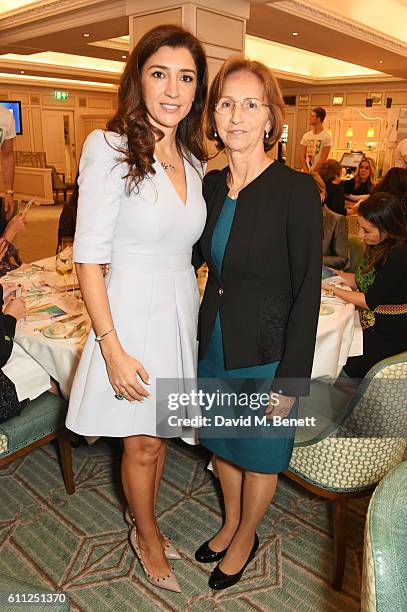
x,y
258,319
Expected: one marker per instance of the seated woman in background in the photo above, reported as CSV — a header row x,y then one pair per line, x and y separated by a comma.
x,y
67,219
8,231
380,283
395,181
14,310
330,172
362,184
335,244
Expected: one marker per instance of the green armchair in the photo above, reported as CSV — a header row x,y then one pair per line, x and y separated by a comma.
x,y
41,421
384,585
359,442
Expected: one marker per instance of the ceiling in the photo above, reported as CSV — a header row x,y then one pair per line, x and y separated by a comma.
x,y
47,38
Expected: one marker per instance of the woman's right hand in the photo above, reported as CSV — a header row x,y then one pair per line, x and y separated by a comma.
x,y
16,308
123,371
347,277
16,224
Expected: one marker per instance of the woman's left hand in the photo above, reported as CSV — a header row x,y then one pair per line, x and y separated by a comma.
x,y
279,405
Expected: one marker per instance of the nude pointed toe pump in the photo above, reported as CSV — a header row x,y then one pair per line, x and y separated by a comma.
x,y
170,551
168,582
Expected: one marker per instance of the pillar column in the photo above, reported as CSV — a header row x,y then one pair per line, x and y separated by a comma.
x,y
219,25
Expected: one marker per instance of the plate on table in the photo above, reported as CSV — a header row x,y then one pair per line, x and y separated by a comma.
x,y
325,309
59,330
22,272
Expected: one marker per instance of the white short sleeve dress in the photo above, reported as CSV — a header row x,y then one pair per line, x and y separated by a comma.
x,y
147,239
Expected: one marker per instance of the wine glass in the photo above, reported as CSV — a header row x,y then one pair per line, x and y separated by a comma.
x,y
64,261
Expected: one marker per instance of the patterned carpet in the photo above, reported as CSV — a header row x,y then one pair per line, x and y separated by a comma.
x,y
79,543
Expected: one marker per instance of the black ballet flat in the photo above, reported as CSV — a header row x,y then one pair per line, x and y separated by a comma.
x,y
204,554
219,580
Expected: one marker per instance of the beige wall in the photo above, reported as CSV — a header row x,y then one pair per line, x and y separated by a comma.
x,y
89,110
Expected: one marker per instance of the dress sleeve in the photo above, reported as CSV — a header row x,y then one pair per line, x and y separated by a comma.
x,y
100,188
390,280
304,239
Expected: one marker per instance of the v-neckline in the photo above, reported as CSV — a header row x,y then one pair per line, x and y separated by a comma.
x,y
184,204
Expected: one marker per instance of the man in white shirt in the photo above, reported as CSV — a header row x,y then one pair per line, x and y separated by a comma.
x,y
315,144
400,154
7,136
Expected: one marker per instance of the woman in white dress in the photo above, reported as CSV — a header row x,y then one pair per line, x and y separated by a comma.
x,y
140,211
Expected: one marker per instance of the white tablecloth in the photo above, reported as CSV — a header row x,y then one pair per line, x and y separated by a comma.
x,y
30,379
337,337
59,358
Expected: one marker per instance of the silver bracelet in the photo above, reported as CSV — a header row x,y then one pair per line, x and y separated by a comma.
x,y
103,336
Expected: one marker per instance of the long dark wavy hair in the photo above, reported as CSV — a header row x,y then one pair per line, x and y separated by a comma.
x,y
386,212
131,118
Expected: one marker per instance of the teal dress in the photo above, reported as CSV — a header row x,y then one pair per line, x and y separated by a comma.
x,y
248,444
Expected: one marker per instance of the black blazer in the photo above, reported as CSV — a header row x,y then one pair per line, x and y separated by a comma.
x,y
7,330
269,289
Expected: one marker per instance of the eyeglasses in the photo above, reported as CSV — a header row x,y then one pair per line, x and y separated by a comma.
x,y
249,106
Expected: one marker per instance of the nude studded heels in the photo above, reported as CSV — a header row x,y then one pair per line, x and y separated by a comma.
x,y
170,551
169,582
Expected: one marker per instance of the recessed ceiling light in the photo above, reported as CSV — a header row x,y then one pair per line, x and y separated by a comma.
x,y
21,71
124,56
295,33
380,61
86,35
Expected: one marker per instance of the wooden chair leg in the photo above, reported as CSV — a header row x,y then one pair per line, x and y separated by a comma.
x,y
64,191
341,510
65,453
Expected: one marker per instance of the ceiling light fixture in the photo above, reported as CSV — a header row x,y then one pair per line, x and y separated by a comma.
x,y
124,56
86,35
21,71
380,61
295,33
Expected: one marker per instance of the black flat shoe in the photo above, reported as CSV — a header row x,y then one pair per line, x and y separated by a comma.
x,y
219,580
206,555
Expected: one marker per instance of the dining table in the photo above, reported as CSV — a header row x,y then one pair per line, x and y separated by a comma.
x,y
338,335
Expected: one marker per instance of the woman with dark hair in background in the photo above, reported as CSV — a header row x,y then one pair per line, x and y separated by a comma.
x,y
330,172
141,210
259,314
9,257
380,283
67,219
395,181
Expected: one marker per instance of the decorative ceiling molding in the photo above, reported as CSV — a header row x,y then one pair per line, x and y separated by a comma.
x,y
334,22
111,43
44,10
345,80
68,71
65,14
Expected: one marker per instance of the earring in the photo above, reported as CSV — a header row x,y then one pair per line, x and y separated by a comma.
x,y
266,135
215,134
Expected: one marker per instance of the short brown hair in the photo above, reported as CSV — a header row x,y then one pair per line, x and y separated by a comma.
x,y
320,112
272,93
330,169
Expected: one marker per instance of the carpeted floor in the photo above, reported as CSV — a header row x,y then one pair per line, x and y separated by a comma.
x,y
79,543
